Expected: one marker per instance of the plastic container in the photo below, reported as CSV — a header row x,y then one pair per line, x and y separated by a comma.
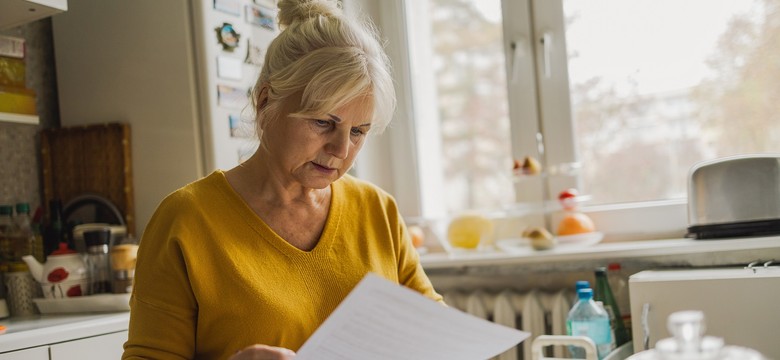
x,y
542,341
587,319
580,284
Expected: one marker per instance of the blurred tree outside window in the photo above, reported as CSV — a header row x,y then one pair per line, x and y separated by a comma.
x,y
654,87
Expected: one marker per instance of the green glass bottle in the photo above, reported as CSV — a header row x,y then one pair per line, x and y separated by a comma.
x,y
604,294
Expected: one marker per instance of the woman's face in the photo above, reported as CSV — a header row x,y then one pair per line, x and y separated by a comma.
x,y
317,151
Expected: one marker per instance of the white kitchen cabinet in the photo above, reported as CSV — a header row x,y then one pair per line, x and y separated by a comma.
x,y
66,336
98,347
108,346
18,12
37,353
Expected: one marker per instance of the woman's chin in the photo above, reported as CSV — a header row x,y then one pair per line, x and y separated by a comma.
x,y
319,182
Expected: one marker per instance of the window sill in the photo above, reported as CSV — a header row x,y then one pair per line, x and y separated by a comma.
x,y
671,251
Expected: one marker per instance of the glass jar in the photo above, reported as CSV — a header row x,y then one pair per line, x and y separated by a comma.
x,y
123,256
97,242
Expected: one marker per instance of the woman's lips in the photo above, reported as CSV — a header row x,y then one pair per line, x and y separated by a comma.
x,y
323,168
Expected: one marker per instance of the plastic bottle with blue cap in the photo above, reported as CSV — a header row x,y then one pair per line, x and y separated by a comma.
x,y
588,319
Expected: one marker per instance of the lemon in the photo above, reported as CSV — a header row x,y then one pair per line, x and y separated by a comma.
x,y
467,231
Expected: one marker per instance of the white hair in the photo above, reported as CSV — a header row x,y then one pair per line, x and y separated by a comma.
x,y
326,60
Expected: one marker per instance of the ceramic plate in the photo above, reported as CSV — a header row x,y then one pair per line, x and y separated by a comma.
x,y
585,239
85,304
523,245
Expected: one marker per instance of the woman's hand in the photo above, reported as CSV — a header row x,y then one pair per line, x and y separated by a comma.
x,y
263,352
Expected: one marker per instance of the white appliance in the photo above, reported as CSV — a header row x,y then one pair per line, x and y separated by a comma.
x,y
740,305
157,65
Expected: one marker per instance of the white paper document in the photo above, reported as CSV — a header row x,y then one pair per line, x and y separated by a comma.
x,y
380,320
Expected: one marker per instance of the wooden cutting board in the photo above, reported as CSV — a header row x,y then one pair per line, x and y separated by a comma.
x,y
89,160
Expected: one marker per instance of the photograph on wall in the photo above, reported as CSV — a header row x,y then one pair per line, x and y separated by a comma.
x,y
262,16
227,36
229,68
231,97
232,7
254,54
240,128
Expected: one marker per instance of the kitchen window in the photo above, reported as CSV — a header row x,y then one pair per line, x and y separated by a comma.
x,y
617,98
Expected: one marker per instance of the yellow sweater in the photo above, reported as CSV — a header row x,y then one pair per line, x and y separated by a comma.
x,y
213,278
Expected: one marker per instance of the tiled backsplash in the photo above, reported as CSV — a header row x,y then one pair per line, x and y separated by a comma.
x,y
19,143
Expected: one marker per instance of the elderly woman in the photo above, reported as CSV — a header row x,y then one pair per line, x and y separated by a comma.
x,y
248,263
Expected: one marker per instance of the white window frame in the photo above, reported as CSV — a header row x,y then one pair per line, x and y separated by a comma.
x,y
537,103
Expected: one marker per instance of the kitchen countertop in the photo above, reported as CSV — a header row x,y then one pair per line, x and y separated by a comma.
x,y
31,331
695,252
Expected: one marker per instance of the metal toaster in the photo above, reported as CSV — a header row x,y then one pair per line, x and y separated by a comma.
x,y
734,197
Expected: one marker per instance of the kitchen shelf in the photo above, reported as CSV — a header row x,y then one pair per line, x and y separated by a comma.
x,y
721,251
19,118
19,12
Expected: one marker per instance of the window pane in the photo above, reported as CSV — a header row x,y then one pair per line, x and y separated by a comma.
x,y
470,79
657,85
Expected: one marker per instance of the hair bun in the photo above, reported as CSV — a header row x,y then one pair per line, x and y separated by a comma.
x,y
291,11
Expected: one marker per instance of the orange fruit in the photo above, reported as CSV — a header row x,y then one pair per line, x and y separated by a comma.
x,y
418,236
575,223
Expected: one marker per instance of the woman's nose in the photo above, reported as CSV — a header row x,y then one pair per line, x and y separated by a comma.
x,y
339,144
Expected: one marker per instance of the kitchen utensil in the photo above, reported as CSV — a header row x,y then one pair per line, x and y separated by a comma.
x,y
63,275
689,343
97,242
735,196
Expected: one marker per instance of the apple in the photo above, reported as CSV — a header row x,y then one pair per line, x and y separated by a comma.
x,y
568,198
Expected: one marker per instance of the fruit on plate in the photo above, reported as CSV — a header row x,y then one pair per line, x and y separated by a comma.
x,y
575,223
568,198
418,235
467,231
541,239
529,166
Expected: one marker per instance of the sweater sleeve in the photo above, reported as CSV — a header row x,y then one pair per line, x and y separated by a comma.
x,y
410,271
163,307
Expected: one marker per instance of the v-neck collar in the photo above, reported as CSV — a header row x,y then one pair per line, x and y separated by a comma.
x,y
244,211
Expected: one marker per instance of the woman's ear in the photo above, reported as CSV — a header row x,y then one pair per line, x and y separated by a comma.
x,y
261,107
262,98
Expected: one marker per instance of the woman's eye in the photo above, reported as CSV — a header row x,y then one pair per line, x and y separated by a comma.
x,y
357,132
322,123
